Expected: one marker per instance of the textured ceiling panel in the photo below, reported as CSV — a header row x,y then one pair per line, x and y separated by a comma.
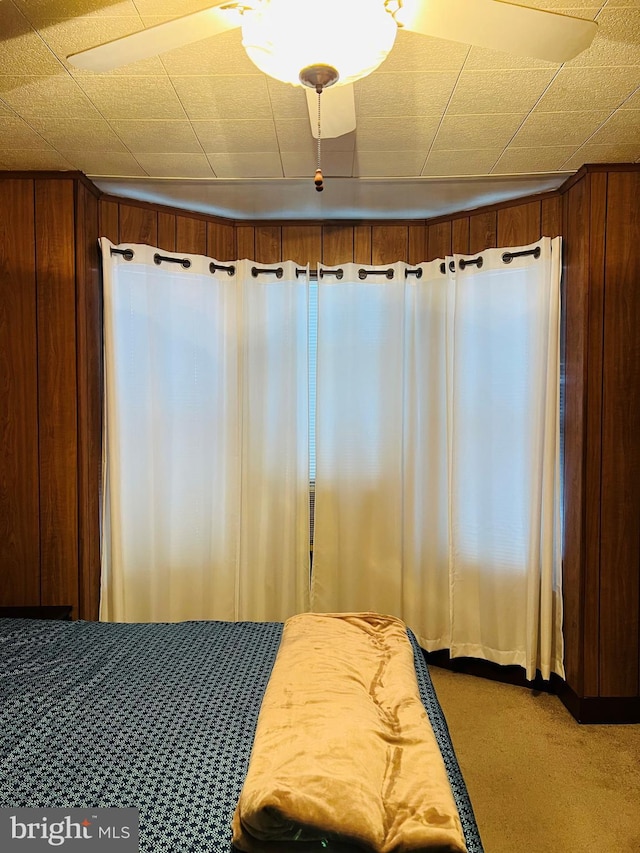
x,y
434,110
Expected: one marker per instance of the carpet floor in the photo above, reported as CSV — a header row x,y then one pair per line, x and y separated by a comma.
x,y
539,781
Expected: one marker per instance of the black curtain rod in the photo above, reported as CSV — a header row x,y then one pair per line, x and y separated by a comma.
x,y
507,257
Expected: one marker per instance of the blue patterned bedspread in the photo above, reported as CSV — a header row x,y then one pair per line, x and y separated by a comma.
x,y
159,717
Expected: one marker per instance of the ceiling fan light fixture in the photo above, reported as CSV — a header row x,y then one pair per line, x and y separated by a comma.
x,y
281,37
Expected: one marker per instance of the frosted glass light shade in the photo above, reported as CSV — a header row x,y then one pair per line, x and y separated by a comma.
x,y
282,37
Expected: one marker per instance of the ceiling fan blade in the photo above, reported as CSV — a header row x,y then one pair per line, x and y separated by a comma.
x,y
338,111
158,39
500,26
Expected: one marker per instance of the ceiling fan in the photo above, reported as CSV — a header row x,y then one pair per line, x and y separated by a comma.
x,y
333,43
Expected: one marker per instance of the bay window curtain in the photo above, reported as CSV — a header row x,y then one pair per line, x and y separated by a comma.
x,y
206,507
437,452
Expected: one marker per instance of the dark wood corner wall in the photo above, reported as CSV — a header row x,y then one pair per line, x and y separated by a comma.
x,y
51,383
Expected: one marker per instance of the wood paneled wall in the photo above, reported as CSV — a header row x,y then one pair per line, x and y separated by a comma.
x,y
49,392
332,243
51,374
602,440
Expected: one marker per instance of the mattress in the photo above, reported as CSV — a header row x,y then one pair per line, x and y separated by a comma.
x,y
160,717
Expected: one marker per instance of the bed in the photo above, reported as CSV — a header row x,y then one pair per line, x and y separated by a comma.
x,y
160,717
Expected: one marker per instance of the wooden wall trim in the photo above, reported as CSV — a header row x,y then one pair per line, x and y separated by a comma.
x,y
595,248
57,391
19,478
620,444
89,395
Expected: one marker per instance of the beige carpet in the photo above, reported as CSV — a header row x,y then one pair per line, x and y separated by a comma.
x,y
540,782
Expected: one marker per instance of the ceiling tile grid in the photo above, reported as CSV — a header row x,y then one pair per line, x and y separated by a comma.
x,y
434,108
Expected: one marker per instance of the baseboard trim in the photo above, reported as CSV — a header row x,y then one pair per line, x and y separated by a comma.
x,y
590,710
610,710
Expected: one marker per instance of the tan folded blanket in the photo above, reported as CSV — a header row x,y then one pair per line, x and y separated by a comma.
x,y
344,750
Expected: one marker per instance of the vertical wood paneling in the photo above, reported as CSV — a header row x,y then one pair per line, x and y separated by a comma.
x,y
337,244
390,243
596,224
417,249
110,220
302,244
19,499
551,217
460,236
57,390
519,225
138,225
89,366
620,520
191,235
439,240
221,241
166,231
268,244
483,231
575,321
246,242
362,251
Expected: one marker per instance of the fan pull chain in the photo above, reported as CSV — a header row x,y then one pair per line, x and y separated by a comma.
x,y
318,180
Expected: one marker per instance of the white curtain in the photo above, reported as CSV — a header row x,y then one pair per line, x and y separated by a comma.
x,y
437,447
206,498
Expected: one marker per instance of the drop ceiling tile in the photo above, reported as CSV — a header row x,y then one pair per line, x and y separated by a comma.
x,y
22,50
41,12
571,7
287,101
617,41
402,134
493,130
68,135
109,163
558,128
16,133
297,164
172,8
224,97
517,161
68,37
157,136
237,135
574,8
412,94
498,91
372,164
633,101
577,89
483,59
219,54
175,165
415,52
602,154
52,96
256,165
30,159
464,162
623,128
139,97
4,109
